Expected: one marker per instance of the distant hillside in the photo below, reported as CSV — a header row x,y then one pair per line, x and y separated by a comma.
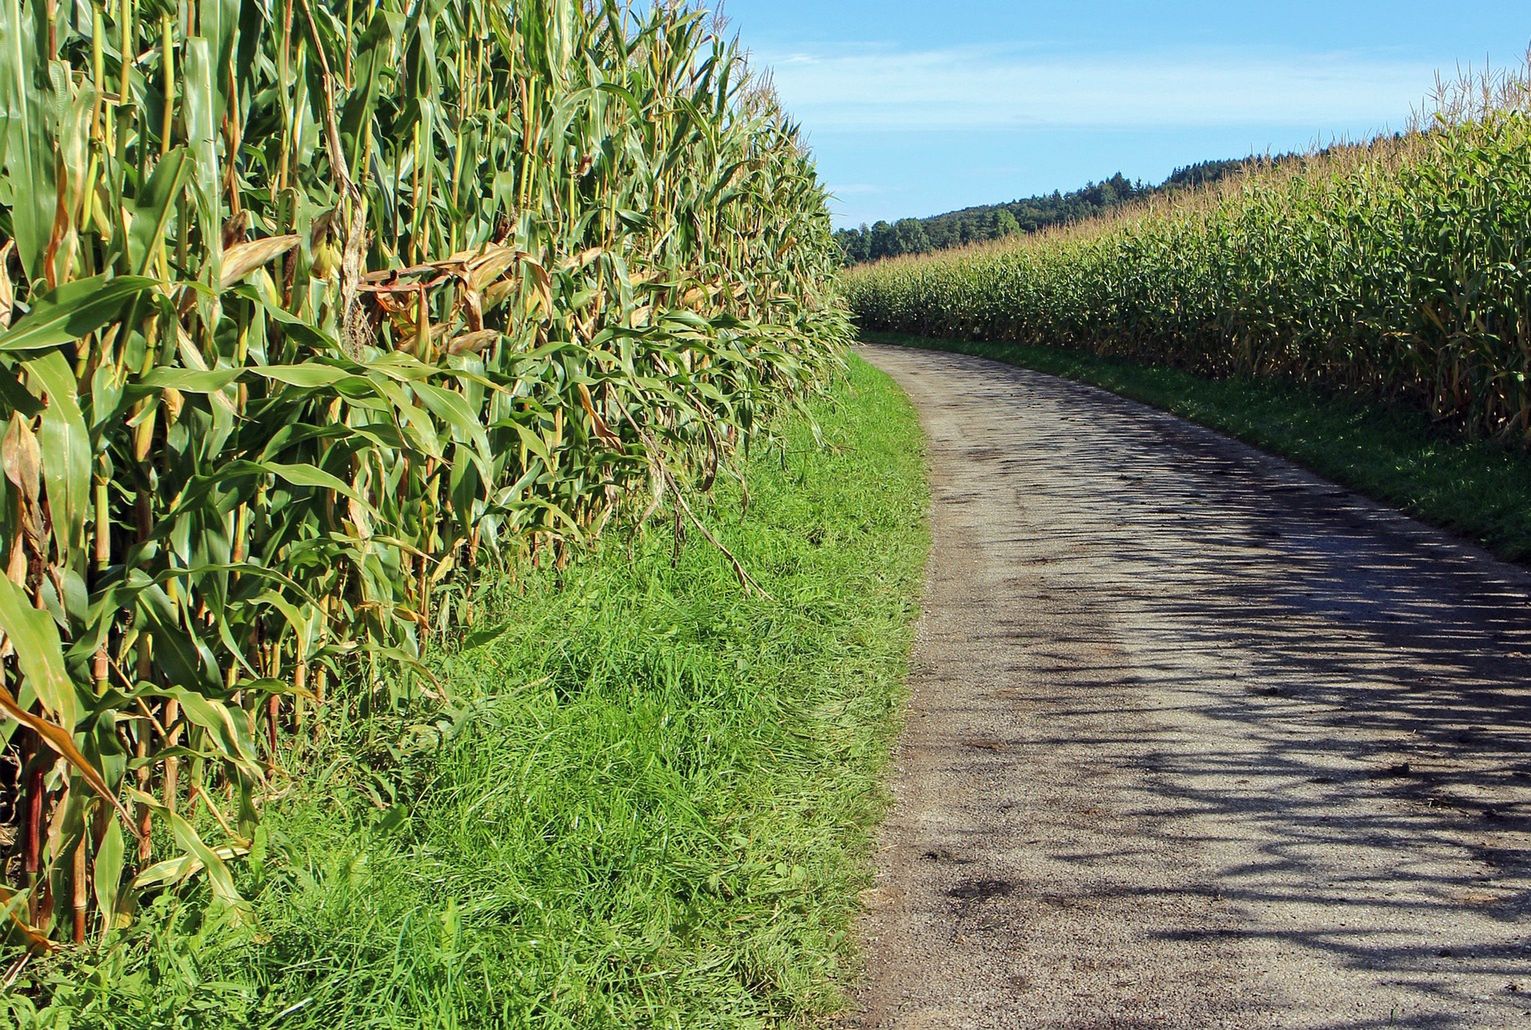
x,y
990,222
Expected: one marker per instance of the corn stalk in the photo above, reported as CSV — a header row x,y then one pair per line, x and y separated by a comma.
x,y
1398,270
313,315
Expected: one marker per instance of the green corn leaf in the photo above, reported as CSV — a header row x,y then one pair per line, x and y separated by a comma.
x,y
66,447
40,655
26,138
72,312
153,209
106,876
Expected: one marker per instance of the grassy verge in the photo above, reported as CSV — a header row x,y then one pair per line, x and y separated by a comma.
x,y
1476,489
647,803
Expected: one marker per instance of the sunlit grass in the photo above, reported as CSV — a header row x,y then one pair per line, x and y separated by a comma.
x,y
646,801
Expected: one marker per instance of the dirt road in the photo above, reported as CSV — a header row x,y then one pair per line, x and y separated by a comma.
x,y
1196,739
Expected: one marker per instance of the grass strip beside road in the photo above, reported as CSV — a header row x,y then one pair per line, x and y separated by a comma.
x,y
648,800
1477,489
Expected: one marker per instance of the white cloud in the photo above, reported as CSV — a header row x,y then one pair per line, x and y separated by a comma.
x,y
878,88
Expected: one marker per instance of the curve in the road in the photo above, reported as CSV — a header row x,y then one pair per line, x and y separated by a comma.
x,y
1196,739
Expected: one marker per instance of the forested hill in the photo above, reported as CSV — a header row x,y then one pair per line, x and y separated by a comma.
x,y
991,221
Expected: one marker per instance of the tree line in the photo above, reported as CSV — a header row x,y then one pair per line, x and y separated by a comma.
x,y
1028,215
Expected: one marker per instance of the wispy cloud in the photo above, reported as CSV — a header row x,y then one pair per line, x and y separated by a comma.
x,y
882,89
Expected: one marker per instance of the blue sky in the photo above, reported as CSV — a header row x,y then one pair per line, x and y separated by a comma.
x,y
914,108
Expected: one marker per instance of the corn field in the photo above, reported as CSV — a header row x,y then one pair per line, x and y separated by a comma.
x,y
313,315
1399,269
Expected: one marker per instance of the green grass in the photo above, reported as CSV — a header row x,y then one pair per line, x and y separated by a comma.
x,y
1477,489
648,802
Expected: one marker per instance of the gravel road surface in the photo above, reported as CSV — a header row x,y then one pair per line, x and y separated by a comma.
x,y
1196,738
